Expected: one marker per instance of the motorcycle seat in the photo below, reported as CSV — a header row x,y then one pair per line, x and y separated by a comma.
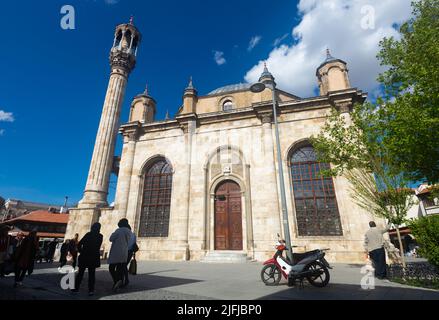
x,y
300,256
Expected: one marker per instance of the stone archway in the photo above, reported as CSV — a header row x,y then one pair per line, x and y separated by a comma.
x,y
228,216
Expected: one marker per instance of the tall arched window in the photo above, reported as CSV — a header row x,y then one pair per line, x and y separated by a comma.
x,y
316,204
156,204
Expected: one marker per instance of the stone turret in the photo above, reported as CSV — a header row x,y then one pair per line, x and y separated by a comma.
x,y
332,75
143,108
190,98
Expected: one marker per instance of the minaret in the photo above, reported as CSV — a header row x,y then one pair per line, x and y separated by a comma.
x,y
122,60
332,75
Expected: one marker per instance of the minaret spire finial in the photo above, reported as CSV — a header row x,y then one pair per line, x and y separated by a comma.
x,y
191,83
132,20
167,115
146,90
328,54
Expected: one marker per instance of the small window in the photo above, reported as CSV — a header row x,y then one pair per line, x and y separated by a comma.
x,y
228,105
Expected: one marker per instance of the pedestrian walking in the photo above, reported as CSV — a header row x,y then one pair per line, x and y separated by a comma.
x,y
63,253
73,250
4,247
374,246
119,253
25,257
89,257
132,249
51,250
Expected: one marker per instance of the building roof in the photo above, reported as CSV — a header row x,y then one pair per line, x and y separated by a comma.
x,y
231,88
42,216
42,234
30,204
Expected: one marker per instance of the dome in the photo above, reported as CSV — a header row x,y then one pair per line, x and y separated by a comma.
x,y
330,58
231,88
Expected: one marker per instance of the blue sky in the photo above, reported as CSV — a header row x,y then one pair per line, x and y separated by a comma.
x,y
53,81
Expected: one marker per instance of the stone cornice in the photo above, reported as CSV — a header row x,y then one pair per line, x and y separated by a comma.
x,y
131,131
184,119
338,99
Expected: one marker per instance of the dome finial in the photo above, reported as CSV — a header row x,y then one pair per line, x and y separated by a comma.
x,y
147,90
167,115
132,20
266,74
265,67
191,83
329,57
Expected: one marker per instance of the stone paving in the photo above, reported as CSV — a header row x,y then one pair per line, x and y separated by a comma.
x,y
202,281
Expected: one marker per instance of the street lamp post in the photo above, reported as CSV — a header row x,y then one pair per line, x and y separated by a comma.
x,y
256,88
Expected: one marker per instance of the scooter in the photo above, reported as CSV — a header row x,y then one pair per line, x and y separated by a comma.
x,y
311,265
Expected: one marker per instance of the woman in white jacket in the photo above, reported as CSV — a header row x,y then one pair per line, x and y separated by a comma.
x,y
119,252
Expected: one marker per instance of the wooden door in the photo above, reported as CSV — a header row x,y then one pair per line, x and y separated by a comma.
x,y
228,217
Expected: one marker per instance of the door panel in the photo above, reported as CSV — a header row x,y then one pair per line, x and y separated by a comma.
x,y
228,217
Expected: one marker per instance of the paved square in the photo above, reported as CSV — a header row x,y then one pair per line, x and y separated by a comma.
x,y
202,281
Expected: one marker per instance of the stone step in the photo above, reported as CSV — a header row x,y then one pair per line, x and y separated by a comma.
x,y
226,257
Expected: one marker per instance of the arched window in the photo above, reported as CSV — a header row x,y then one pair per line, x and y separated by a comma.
x,y
228,105
156,204
316,204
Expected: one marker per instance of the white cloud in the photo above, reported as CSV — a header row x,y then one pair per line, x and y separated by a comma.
x,y
254,42
110,2
334,24
218,56
6,116
279,40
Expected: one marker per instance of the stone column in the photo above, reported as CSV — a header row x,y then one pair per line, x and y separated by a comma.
x,y
125,172
96,190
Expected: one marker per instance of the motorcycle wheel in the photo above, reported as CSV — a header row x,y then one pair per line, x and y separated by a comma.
x,y
319,281
270,275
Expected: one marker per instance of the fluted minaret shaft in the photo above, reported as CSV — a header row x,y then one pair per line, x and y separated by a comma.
x,y
122,60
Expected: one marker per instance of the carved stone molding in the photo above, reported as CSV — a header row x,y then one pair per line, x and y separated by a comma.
x,y
131,132
123,60
266,118
344,107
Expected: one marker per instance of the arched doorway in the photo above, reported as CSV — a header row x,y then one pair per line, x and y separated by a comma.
x,y
228,216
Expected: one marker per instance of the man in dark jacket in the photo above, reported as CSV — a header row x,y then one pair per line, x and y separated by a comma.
x,y
89,257
63,253
25,257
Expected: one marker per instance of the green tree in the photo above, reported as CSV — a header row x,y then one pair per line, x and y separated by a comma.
x,y
352,144
380,147
409,107
426,232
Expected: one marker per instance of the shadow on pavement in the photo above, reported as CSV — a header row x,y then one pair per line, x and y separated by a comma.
x,y
44,285
351,292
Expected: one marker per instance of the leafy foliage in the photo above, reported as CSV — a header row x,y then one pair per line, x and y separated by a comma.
x,y
410,116
426,232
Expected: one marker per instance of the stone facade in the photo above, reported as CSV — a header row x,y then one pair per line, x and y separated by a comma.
x,y
206,146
